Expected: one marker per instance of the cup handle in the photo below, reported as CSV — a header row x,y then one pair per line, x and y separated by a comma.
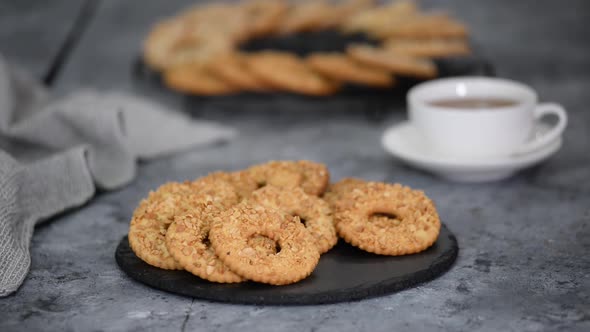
x,y
541,111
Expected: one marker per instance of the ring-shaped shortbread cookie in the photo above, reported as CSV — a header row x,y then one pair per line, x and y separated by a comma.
x,y
230,235
312,177
154,215
415,228
313,212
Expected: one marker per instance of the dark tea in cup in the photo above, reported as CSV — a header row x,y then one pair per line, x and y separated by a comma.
x,y
474,103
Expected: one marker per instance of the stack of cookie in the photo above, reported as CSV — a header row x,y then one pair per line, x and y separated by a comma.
x,y
197,51
271,222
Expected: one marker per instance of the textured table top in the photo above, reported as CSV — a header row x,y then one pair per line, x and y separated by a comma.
x,y
523,263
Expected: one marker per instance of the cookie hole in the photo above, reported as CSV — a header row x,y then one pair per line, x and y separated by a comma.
x,y
263,244
206,241
384,215
384,219
302,220
164,228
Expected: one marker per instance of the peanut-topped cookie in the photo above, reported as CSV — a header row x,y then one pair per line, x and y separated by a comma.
x,y
187,240
415,228
311,176
297,255
338,191
271,222
241,181
154,215
312,211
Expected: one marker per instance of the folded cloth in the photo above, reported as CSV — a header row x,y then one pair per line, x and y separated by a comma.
x,y
93,141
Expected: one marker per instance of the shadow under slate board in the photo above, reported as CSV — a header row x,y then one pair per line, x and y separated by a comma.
x,y
343,274
376,101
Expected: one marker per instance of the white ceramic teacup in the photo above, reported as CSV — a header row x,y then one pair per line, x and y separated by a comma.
x,y
481,132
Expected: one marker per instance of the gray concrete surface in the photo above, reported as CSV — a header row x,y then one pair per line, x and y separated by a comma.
x,y
523,263
32,32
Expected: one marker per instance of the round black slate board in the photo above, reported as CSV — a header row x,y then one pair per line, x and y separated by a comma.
x,y
343,274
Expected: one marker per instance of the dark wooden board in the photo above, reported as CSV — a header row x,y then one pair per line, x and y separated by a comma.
x,y
343,274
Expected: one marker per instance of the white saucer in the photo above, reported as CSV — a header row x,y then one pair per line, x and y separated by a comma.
x,y
404,142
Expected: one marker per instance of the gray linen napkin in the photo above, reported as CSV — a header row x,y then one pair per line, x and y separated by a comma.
x,y
94,140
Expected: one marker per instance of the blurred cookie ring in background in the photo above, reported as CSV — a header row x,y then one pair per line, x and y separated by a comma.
x,y
232,69
408,38
426,26
305,16
414,227
197,79
174,42
217,22
160,43
286,71
433,48
340,67
342,11
312,177
297,255
265,16
399,64
376,18
313,212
